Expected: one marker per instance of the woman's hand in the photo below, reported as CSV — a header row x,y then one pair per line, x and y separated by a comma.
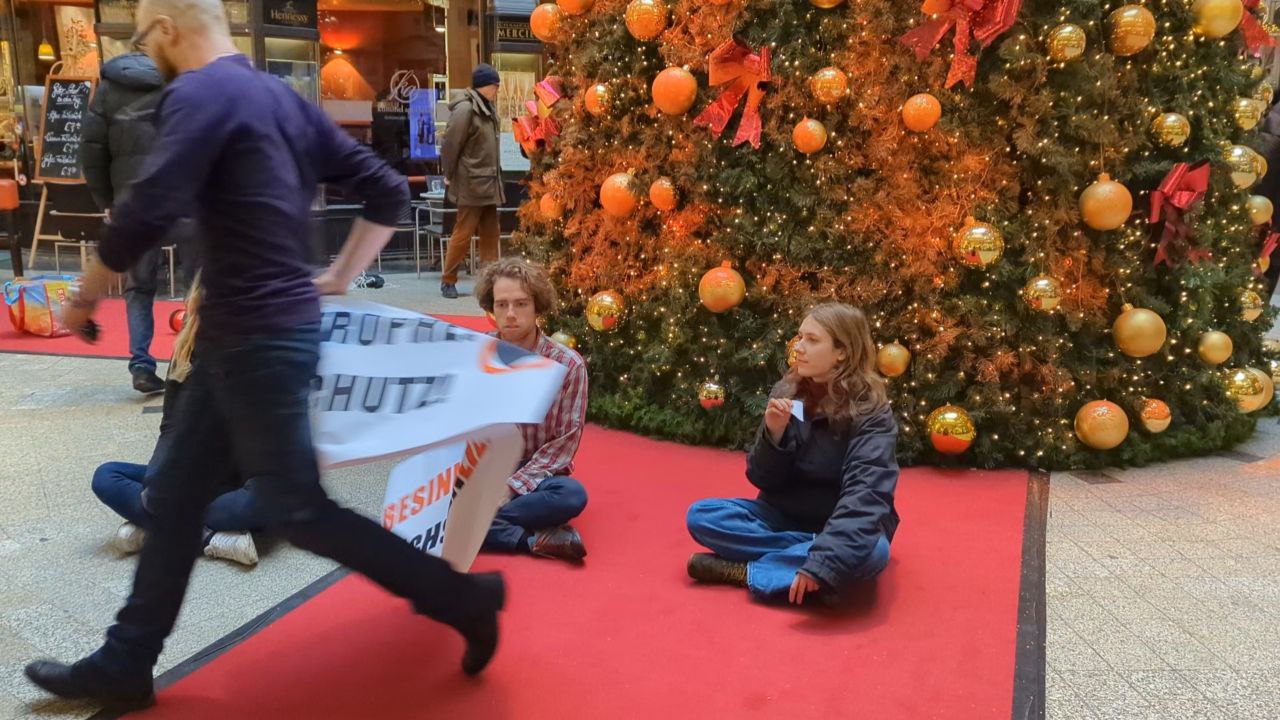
x,y
801,585
776,417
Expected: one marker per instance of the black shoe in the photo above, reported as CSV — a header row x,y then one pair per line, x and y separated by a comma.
x,y
481,631
86,680
715,569
449,290
146,381
562,543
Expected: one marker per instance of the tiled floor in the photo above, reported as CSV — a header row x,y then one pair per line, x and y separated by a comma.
x,y
1163,589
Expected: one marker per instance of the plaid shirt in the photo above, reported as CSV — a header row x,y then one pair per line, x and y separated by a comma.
x,y
549,447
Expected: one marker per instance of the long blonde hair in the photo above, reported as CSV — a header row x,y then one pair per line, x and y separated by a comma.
x,y
856,388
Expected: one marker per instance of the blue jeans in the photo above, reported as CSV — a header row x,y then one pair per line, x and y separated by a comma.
x,y
771,544
119,486
556,501
247,399
139,300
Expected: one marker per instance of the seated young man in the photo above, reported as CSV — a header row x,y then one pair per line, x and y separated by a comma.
x,y
122,486
543,495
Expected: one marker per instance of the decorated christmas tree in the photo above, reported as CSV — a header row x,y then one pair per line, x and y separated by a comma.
x,y
1043,207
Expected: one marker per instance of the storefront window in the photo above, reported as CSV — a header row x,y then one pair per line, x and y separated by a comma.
x,y
122,11
294,62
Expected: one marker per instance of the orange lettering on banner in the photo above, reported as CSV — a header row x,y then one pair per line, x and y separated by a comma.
x,y
435,489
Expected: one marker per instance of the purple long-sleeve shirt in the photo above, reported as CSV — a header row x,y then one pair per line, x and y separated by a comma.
x,y
242,153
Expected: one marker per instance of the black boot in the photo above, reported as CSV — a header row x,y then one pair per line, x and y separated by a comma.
x,y
481,630
146,381
87,680
710,568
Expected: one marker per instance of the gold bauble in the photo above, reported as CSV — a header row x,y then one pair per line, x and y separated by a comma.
x,y
1245,387
545,21
892,359
1106,204
722,288
1260,209
1248,113
1131,29
1101,425
1251,305
1263,94
565,339
1066,42
1268,386
710,395
604,310
1217,18
826,4
1043,293
646,19
978,244
829,85
792,349
1138,332
950,429
1245,165
1171,129
1215,347
1155,416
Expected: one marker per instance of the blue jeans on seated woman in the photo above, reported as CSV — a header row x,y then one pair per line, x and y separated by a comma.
x,y
119,486
771,544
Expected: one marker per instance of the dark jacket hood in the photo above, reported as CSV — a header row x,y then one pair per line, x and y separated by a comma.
x,y
134,70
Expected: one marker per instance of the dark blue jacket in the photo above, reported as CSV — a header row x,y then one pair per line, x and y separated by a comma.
x,y
835,481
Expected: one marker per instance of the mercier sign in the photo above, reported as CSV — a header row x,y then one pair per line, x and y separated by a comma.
x,y
289,13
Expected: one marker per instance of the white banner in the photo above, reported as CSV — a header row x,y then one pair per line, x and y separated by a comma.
x,y
393,382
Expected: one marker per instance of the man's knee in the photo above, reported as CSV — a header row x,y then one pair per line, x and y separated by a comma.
x,y
103,479
700,517
573,495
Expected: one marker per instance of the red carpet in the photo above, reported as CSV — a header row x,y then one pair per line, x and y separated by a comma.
x,y
629,636
112,343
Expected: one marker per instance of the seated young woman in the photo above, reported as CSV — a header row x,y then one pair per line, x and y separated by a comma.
x,y
825,515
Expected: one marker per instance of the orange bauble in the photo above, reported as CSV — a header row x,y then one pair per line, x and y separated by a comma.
x,y
646,19
545,20
809,136
550,207
616,196
1106,204
176,319
829,85
935,7
662,193
921,112
597,99
575,7
674,91
722,288
1101,425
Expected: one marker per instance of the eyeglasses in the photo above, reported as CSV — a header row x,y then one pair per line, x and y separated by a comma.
x,y
139,39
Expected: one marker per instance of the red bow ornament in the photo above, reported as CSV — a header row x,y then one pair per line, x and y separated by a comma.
x,y
982,20
1256,37
535,130
745,73
1181,189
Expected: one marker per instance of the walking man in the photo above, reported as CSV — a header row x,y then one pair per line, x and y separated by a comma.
x,y
247,170
473,174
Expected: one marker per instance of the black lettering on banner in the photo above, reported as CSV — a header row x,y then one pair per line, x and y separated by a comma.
x,y
381,395
336,327
433,537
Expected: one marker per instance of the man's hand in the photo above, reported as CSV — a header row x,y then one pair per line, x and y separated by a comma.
x,y
800,586
77,314
328,284
776,417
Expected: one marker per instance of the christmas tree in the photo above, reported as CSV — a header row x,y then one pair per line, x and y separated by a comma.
x,y
1042,206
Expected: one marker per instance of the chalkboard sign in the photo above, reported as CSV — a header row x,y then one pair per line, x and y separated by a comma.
x,y
66,102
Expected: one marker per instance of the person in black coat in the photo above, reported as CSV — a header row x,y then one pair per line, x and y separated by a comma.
x,y
118,135
825,462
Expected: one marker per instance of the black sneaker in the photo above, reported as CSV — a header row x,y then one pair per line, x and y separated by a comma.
x,y
710,568
146,381
86,680
449,290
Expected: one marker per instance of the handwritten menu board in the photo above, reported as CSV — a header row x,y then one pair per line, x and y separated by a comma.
x,y
66,101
